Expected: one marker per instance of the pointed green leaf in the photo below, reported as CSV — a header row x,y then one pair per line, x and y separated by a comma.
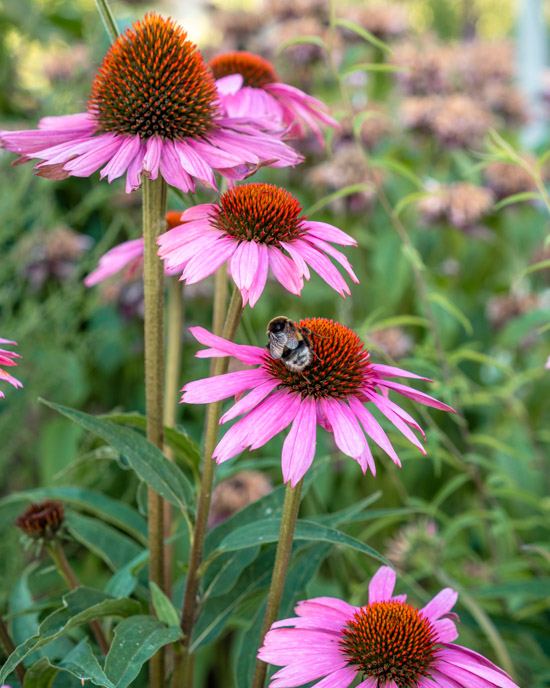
x,y
365,35
148,461
136,640
164,609
82,663
517,198
445,303
79,607
263,532
115,548
335,195
40,675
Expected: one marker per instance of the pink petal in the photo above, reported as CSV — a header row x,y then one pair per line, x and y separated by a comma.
x,y
453,654
121,160
252,399
198,268
373,428
381,585
446,630
194,164
172,171
322,266
229,84
258,282
378,400
299,445
285,271
297,258
348,435
441,604
341,678
467,678
274,415
153,153
221,386
444,681
338,256
246,354
412,393
392,371
329,233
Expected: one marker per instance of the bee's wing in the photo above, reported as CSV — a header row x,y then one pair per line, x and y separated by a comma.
x,y
276,345
292,341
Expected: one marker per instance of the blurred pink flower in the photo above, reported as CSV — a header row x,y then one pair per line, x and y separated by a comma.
x,y
388,643
547,365
250,88
127,253
154,109
331,391
6,359
252,226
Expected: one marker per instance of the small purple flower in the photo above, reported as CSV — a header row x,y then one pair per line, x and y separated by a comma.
x,y
331,392
6,359
250,88
254,227
387,643
154,110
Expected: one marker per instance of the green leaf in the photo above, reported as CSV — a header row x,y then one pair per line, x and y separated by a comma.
x,y
345,515
263,532
148,461
124,581
301,40
82,663
400,168
399,321
217,610
79,607
407,200
541,265
40,675
119,514
176,438
363,33
341,193
164,609
115,548
373,67
517,198
136,640
443,301
224,571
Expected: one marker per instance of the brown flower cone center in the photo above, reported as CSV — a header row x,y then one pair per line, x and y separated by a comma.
x,y
256,71
153,81
340,365
259,212
390,641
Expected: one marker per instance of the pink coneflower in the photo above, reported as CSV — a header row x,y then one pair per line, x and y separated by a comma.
x,y
388,643
252,226
249,87
547,364
331,391
6,359
154,109
129,253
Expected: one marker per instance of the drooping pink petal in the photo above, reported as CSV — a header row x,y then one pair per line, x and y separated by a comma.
x,y
339,257
323,230
378,400
373,428
297,258
468,678
285,271
273,415
193,164
300,443
441,604
151,161
444,681
420,397
391,371
252,399
114,260
121,160
221,386
341,678
229,84
348,435
246,354
197,268
453,654
322,265
260,278
382,585
446,630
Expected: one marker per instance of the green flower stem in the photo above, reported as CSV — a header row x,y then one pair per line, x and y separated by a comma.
x,y
175,317
220,299
154,223
289,516
9,647
211,439
60,560
108,19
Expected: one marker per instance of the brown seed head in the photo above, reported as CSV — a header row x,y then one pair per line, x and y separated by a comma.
x,y
41,520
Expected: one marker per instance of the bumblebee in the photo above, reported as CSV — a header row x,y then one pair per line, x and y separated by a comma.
x,y
289,343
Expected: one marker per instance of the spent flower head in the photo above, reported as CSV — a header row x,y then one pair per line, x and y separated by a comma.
x,y
41,520
153,110
254,227
388,643
331,391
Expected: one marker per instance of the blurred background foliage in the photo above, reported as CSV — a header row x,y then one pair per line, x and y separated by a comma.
x,y
475,512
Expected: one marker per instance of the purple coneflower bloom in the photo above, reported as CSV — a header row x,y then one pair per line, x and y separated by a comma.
x,y
129,253
388,643
6,359
252,226
154,109
249,87
331,391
